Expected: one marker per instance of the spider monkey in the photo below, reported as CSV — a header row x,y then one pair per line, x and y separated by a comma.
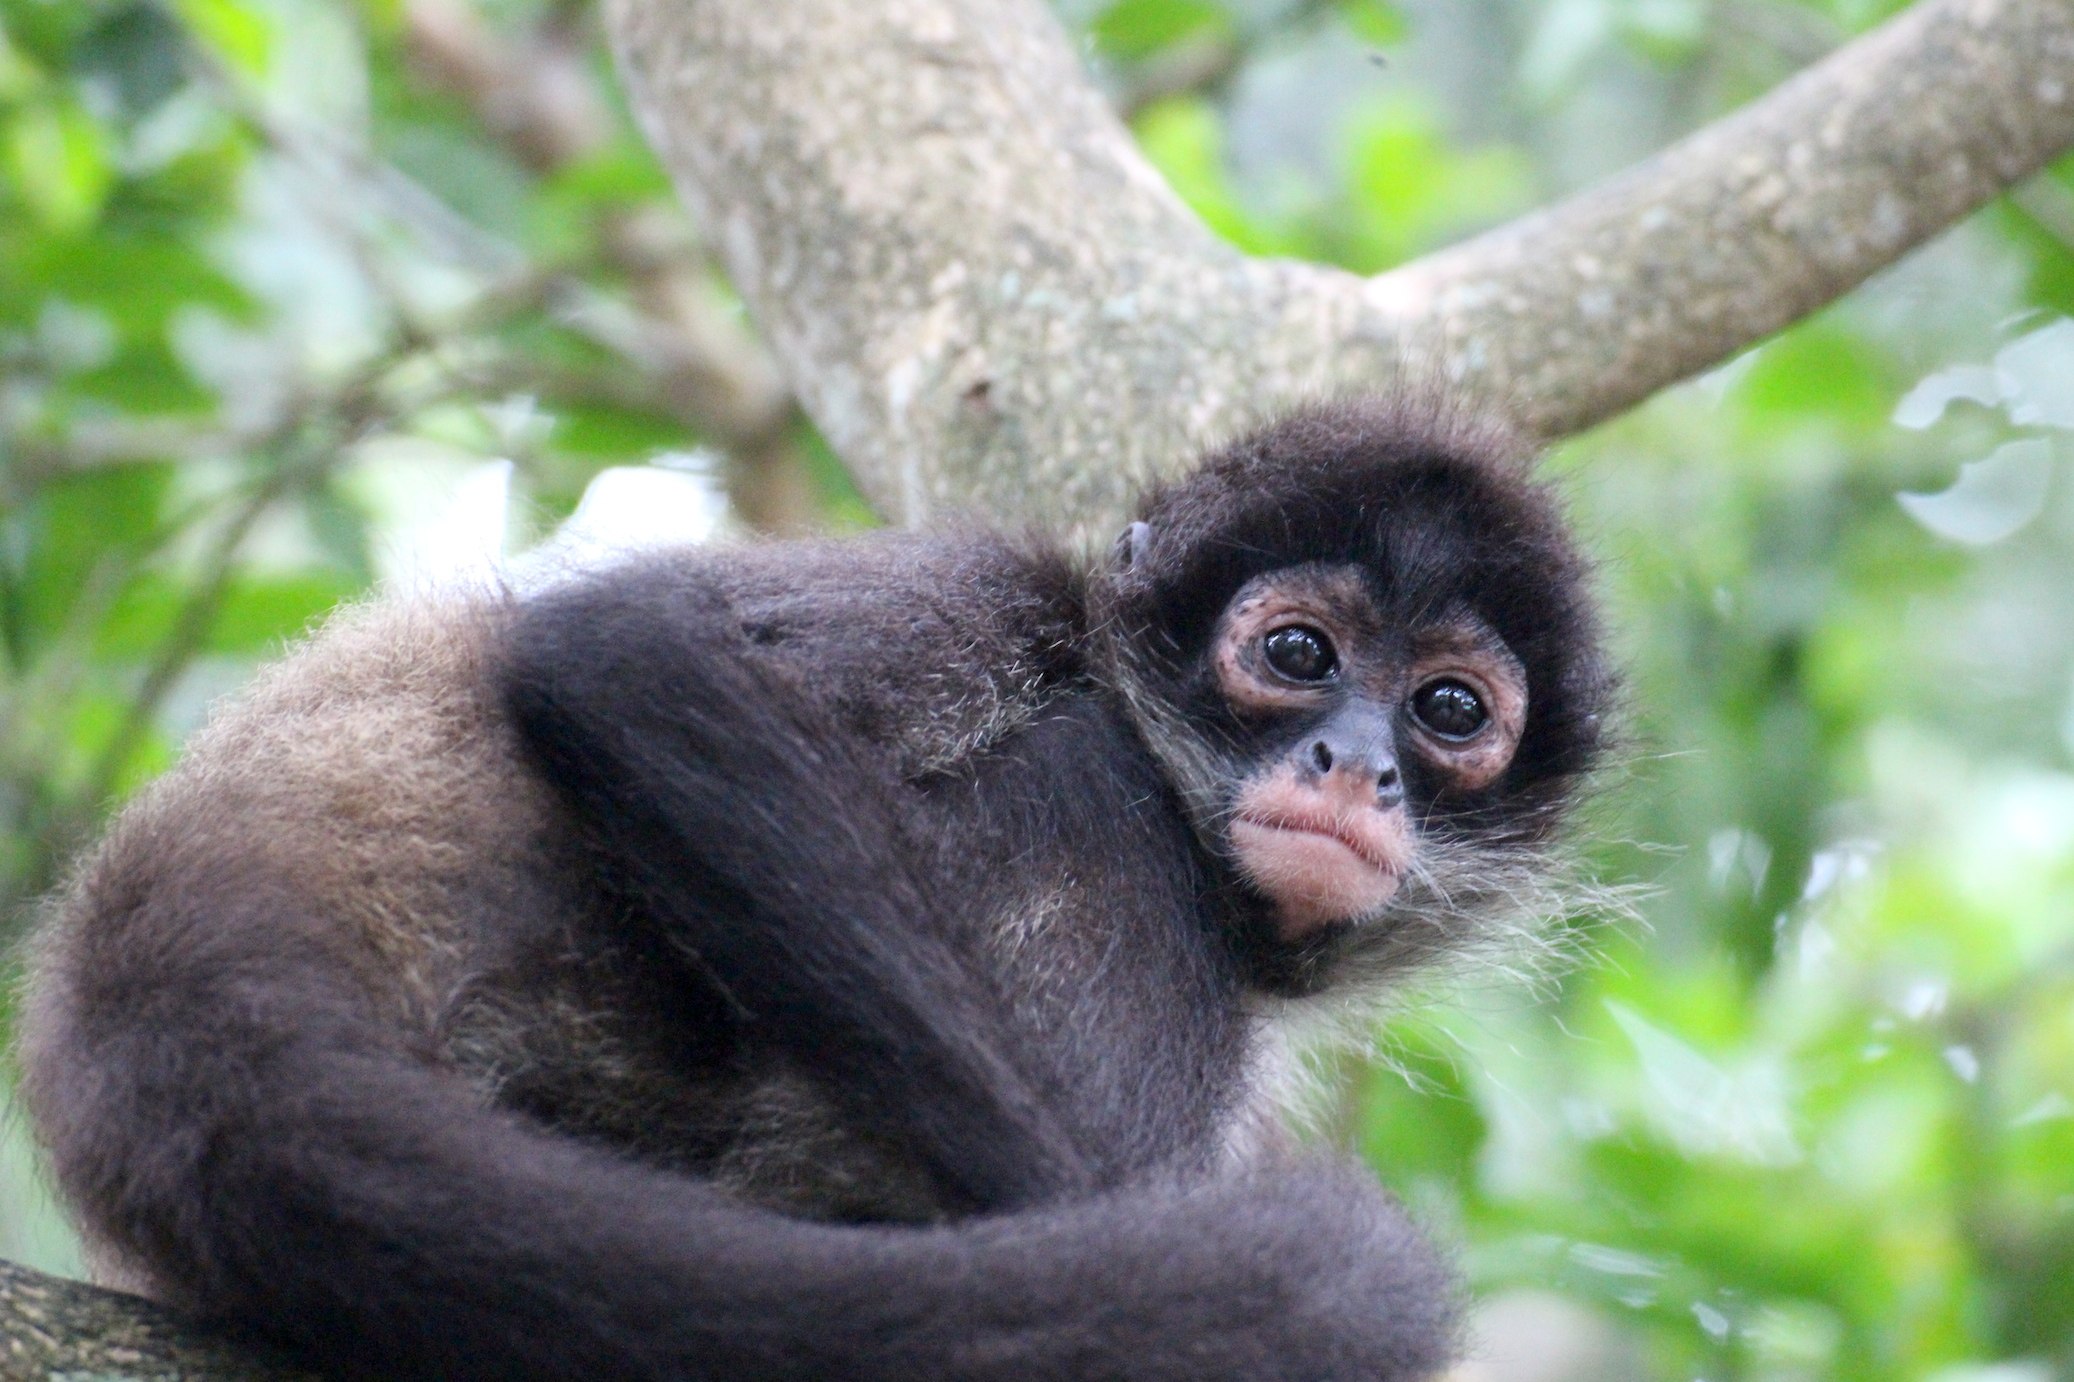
x,y
849,959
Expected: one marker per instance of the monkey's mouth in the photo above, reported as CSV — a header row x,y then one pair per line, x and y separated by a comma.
x,y
1317,869
1326,828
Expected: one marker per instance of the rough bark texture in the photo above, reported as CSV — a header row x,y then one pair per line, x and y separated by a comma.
x,y
52,1329
985,296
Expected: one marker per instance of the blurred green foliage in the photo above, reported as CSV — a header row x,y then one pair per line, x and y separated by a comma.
x,y
273,287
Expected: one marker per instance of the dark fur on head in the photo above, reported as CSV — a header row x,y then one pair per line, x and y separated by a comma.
x,y
1439,509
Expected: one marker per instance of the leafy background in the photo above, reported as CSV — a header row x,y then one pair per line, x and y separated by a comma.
x,y
279,292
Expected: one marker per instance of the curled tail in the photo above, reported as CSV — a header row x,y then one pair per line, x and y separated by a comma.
x,y
297,1175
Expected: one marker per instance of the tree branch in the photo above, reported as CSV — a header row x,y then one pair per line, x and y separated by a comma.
x,y
984,294
1755,221
52,1328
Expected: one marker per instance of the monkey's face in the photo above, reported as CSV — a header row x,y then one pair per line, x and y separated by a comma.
x,y
1352,723
1362,648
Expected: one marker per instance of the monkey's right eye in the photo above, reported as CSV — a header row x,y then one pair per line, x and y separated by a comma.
x,y
1300,653
1450,709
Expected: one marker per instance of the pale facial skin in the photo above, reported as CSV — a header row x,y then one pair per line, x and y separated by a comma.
x,y
1324,830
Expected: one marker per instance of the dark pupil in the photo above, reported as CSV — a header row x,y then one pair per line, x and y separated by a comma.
x,y
1449,709
1300,654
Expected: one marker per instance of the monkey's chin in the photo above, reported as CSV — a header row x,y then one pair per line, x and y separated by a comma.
x,y
1314,879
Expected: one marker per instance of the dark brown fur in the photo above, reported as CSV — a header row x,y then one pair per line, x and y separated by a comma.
x,y
795,962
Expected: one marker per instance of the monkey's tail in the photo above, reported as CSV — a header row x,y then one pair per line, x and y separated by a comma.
x,y
300,1177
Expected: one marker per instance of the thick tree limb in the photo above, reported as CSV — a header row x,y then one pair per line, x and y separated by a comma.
x,y
1754,221
984,294
51,1328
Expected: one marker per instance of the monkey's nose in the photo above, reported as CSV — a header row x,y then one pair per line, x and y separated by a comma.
x,y
1389,787
1353,776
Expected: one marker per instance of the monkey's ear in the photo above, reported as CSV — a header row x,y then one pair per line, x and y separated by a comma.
x,y
1130,545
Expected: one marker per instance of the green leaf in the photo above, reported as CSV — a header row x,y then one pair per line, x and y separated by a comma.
x,y
1821,369
73,529
144,378
569,205
1664,31
238,33
1132,30
621,173
138,280
44,33
19,76
1417,1119
1377,22
82,729
58,157
1183,139
612,434
1409,191
260,613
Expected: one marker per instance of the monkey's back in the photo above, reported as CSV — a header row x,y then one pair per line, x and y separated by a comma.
x,y
367,799
369,777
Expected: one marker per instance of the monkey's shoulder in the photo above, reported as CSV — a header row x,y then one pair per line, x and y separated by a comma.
x,y
932,646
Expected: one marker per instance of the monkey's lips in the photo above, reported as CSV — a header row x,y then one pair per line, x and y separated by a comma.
x,y
1320,867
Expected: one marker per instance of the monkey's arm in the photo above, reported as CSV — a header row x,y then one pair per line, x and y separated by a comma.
x,y
766,839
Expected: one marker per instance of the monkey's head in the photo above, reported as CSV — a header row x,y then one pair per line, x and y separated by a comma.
x,y
1362,645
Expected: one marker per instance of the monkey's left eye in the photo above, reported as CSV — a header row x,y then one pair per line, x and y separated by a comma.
x,y
1449,708
1300,653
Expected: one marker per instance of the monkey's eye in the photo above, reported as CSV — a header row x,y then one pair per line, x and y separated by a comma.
x,y
1449,708
1300,653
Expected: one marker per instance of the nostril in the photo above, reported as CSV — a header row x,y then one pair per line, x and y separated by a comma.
x,y
1386,779
1389,788
1321,755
